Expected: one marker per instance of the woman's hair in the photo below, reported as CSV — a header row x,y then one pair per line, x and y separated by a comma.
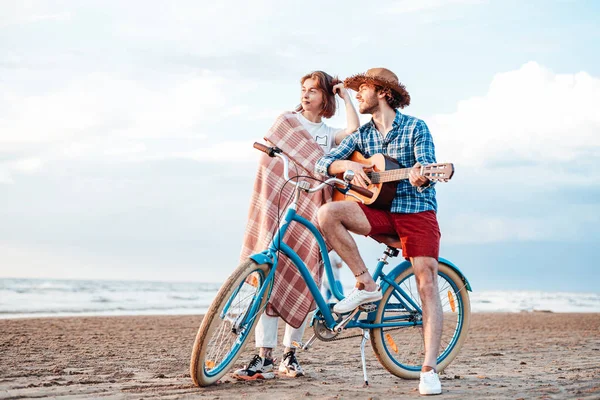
x,y
325,83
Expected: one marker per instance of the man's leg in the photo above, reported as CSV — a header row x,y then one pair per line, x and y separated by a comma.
x,y
426,269
335,220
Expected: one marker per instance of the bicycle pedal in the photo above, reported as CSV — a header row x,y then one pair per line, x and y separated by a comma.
x,y
368,307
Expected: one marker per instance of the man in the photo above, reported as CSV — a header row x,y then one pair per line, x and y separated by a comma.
x,y
413,212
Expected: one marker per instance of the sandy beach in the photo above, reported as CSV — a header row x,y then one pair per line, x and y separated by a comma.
x,y
522,355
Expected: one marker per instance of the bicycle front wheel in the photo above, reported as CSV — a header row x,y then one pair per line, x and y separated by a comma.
x,y
228,322
401,349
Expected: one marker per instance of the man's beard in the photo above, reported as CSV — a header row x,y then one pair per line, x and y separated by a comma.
x,y
369,108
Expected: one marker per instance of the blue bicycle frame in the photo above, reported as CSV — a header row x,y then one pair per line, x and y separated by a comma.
x,y
405,302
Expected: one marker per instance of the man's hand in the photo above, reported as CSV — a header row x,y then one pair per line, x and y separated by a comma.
x,y
360,173
415,178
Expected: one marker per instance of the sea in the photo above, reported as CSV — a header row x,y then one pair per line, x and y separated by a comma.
x,y
28,298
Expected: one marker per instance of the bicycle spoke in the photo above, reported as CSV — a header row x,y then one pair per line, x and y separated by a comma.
x,y
232,325
409,345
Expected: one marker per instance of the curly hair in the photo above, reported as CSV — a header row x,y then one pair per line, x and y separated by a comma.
x,y
325,83
394,99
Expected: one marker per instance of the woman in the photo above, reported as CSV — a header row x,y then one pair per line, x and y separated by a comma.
x,y
317,103
305,138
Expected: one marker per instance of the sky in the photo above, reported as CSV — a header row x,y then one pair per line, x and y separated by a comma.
x,y
126,129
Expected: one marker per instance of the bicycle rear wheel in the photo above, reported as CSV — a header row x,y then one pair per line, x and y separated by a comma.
x,y
228,322
401,349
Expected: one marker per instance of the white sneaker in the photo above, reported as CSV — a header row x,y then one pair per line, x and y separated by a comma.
x,y
430,383
290,366
355,298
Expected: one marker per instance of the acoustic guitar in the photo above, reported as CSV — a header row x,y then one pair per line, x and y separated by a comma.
x,y
385,176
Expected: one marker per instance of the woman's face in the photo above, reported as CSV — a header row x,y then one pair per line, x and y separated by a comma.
x,y
311,96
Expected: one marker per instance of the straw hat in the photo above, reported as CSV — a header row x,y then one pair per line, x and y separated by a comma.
x,y
380,77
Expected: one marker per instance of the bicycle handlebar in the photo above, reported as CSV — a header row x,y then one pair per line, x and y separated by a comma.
x,y
276,152
360,190
270,151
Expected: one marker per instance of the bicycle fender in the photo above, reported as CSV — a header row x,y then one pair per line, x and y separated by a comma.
x,y
405,264
261,258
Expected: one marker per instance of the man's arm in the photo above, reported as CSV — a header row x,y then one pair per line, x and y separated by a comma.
x,y
342,152
337,162
424,154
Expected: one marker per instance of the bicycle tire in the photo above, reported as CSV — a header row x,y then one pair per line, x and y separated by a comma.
x,y
205,368
456,308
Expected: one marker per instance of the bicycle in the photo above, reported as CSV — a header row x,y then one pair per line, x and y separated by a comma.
x,y
393,324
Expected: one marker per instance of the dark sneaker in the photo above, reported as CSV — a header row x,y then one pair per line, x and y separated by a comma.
x,y
289,366
259,368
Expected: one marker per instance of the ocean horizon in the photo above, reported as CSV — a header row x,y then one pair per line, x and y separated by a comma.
x,y
30,298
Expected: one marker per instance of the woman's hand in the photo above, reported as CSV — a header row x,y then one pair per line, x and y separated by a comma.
x,y
341,91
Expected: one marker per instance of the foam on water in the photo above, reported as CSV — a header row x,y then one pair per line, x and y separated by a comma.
x,y
41,298
35,298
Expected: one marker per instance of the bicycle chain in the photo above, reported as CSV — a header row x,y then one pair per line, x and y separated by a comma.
x,y
335,338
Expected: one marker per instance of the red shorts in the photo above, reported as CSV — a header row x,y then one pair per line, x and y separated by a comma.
x,y
419,232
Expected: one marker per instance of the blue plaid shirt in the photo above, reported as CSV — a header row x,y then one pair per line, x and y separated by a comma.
x,y
409,141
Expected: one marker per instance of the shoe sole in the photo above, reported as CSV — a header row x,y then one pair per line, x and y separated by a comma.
x,y
291,374
255,377
426,393
365,303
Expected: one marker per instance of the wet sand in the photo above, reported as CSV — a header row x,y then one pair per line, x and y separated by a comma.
x,y
512,356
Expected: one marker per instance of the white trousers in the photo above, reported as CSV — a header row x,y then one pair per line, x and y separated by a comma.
x,y
265,333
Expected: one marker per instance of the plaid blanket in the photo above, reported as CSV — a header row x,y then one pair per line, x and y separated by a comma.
x,y
290,299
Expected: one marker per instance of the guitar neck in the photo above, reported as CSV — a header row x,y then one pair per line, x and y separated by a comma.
x,y
389,176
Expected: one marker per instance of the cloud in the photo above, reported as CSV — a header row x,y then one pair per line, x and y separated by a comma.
x,y
182,24
99,114
20,166
533,135
530,115
100,103
234,151
410,6
15,13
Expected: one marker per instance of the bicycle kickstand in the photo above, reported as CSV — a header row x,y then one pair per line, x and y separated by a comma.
x,y
362,355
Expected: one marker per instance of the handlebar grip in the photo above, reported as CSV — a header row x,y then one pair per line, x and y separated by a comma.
x,y
261,147
270,151
362,191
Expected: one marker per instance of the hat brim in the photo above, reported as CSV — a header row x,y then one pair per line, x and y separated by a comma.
x,y
355,81
399,89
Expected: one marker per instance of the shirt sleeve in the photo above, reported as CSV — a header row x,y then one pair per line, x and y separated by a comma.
x,y
424,149
342,152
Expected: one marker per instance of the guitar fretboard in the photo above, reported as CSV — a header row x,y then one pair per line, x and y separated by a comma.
x,y
389,176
